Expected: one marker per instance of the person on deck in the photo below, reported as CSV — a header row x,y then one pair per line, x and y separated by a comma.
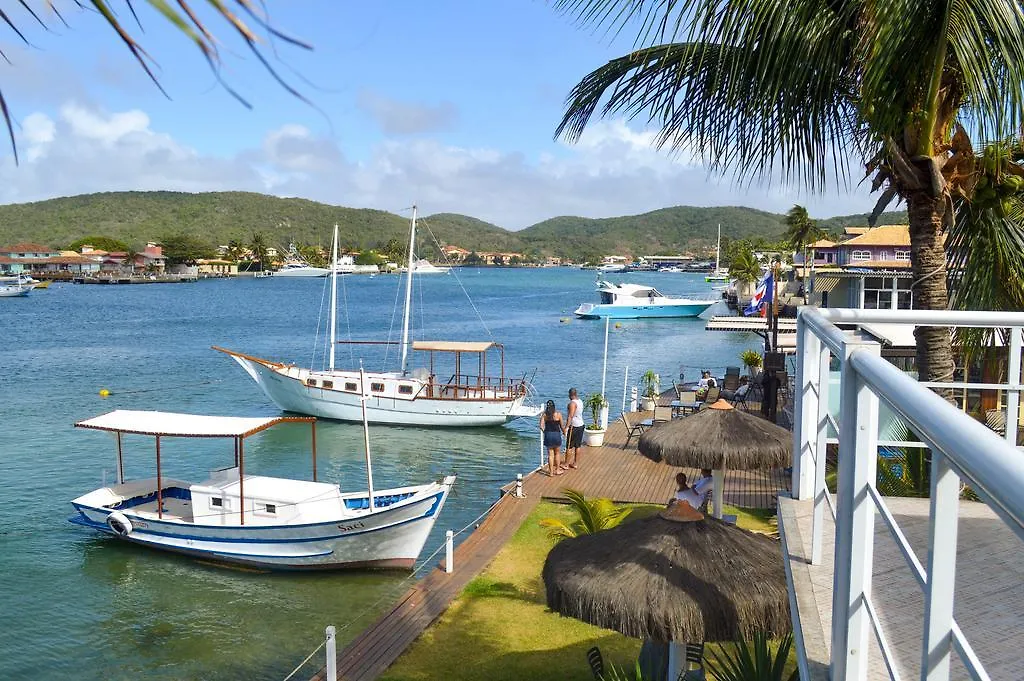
x,y
552,425
704,483
740,391
574,435
686,494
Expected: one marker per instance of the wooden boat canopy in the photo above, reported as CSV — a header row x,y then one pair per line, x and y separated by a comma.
x,y
169,424
454,346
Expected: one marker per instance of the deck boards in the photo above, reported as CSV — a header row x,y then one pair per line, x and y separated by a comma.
x,y
612,471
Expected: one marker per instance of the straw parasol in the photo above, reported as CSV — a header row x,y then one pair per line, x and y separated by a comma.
x,y
718,438
672,579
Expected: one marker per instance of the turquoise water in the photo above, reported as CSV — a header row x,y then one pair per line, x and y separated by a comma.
x,y
78,603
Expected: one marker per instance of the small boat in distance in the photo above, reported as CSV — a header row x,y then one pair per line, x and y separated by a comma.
x,y
672,269
16,287
718,274
238,518
634,301
424,266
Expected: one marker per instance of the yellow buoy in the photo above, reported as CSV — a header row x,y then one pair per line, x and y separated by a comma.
x,y
104,393
618,325
564,320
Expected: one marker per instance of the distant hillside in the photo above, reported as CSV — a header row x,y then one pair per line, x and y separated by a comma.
x,y
660,232
836,224
218,217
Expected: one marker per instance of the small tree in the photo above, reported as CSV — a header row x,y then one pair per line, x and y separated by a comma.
x,y
745,268
595,402
594,515
651,384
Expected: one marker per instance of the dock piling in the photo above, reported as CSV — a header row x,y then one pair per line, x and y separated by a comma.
x,y
332,655
449,551
519,485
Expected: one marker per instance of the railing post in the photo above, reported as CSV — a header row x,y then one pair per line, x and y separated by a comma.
x,y
519,485
821,451
449,551
1012,396
941,570
805,409
332,655
855,518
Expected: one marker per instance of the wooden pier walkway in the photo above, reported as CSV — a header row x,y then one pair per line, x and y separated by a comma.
x,y
612,471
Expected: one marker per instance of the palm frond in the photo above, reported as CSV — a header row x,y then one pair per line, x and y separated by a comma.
x,y
751,660
740,93
187,22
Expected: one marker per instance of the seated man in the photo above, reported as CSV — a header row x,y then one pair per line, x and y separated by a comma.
x,y
706,381
740,391
686,494
704,483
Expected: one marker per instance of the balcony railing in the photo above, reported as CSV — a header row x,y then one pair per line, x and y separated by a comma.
x,y
962,450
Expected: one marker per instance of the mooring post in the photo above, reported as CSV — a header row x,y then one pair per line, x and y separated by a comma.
x,y
449,551
332,655
519,485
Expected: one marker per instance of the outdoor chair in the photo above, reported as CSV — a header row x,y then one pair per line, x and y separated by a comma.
x,y
712,395
732,371
596,662
662,414
694,656
679,387
631,428
731,382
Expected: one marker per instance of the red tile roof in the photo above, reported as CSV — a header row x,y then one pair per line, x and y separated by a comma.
x,y
27,247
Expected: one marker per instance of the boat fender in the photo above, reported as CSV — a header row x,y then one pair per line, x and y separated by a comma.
x,y
119,523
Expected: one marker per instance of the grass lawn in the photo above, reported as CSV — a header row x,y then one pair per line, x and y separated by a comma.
x,y
500,628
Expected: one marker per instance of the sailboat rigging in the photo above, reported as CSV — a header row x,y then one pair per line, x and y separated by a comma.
x,y
403,397
718,274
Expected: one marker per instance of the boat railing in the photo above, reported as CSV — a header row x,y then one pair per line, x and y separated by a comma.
x,y
962,451
473,386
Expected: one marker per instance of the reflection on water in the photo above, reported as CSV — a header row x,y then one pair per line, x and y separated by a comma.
x,y
97,608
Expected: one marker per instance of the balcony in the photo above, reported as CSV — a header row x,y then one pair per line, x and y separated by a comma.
x,y
901,588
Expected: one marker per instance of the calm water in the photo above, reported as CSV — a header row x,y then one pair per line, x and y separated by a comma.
x,y
77,603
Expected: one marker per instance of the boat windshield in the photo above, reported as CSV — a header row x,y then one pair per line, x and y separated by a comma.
x,y
607,298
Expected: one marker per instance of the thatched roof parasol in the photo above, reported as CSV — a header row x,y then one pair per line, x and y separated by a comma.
x,y
671,581
719,437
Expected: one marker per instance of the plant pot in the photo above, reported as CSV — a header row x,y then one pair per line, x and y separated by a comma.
x,y
648,404
593,438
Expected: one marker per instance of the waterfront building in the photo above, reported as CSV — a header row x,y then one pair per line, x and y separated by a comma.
x,y
216,268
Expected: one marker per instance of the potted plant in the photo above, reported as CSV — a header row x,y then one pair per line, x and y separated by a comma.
x,y
593,434
752,360
650,384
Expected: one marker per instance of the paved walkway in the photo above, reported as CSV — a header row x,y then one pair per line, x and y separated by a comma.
x,y
989,604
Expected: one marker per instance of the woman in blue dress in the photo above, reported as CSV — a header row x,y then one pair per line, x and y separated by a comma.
x,y
553,426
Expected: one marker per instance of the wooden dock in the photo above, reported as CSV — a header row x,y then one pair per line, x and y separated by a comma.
x,y
612,471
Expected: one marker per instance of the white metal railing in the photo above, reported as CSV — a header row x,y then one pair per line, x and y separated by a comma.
x,y
961,450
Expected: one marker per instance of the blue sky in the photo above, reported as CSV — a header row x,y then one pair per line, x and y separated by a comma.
x,y
448,103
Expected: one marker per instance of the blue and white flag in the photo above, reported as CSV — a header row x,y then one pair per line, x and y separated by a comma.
x,y
762,295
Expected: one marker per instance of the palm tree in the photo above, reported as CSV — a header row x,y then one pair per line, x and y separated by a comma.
x,y
801,232
744,268
258,247
594,515
246,20
803,94
235,250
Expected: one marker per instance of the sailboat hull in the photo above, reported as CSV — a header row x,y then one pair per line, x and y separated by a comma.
x,y
287,388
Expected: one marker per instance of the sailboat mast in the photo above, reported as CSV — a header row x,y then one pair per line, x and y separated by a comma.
x,y
334,294
364,395
718,250
408,292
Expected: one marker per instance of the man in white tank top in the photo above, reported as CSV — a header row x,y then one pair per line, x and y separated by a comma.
x,y
574,436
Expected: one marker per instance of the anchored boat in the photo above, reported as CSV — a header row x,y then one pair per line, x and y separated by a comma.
x,y
633,301
460,396
239,518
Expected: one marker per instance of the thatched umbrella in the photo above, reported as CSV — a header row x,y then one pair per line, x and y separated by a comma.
x,y
673,578
718,438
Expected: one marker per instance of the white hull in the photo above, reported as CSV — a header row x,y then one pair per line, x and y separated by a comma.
x,y
287,388
14,291
388,537
309,272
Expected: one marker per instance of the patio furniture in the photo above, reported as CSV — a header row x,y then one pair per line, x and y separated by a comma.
x,y
686,404
731,382
632,428
662,414
712,395
694,669
596,662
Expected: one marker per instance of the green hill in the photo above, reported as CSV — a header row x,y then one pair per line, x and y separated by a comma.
x,y
218,217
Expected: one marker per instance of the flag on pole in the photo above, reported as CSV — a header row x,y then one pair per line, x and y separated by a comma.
x,y
762,295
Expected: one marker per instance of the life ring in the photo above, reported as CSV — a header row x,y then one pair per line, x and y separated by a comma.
x,y
119,523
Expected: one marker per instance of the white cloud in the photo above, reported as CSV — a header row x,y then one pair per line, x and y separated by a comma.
x,y
612,171
396,117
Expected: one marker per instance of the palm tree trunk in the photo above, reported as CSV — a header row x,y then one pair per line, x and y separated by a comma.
x,y
928,256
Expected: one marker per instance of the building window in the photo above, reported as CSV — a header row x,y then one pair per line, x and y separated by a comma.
x,y
350,386
860,256
879,292
902,255
405,390
377,387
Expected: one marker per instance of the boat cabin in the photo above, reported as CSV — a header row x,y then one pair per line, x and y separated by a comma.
x,y
626,293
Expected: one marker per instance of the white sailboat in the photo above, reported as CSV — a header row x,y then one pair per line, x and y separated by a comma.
x,y
404,397
20,286
718,274
238,518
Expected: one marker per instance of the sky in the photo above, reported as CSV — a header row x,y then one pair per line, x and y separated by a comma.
x,y
449,104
